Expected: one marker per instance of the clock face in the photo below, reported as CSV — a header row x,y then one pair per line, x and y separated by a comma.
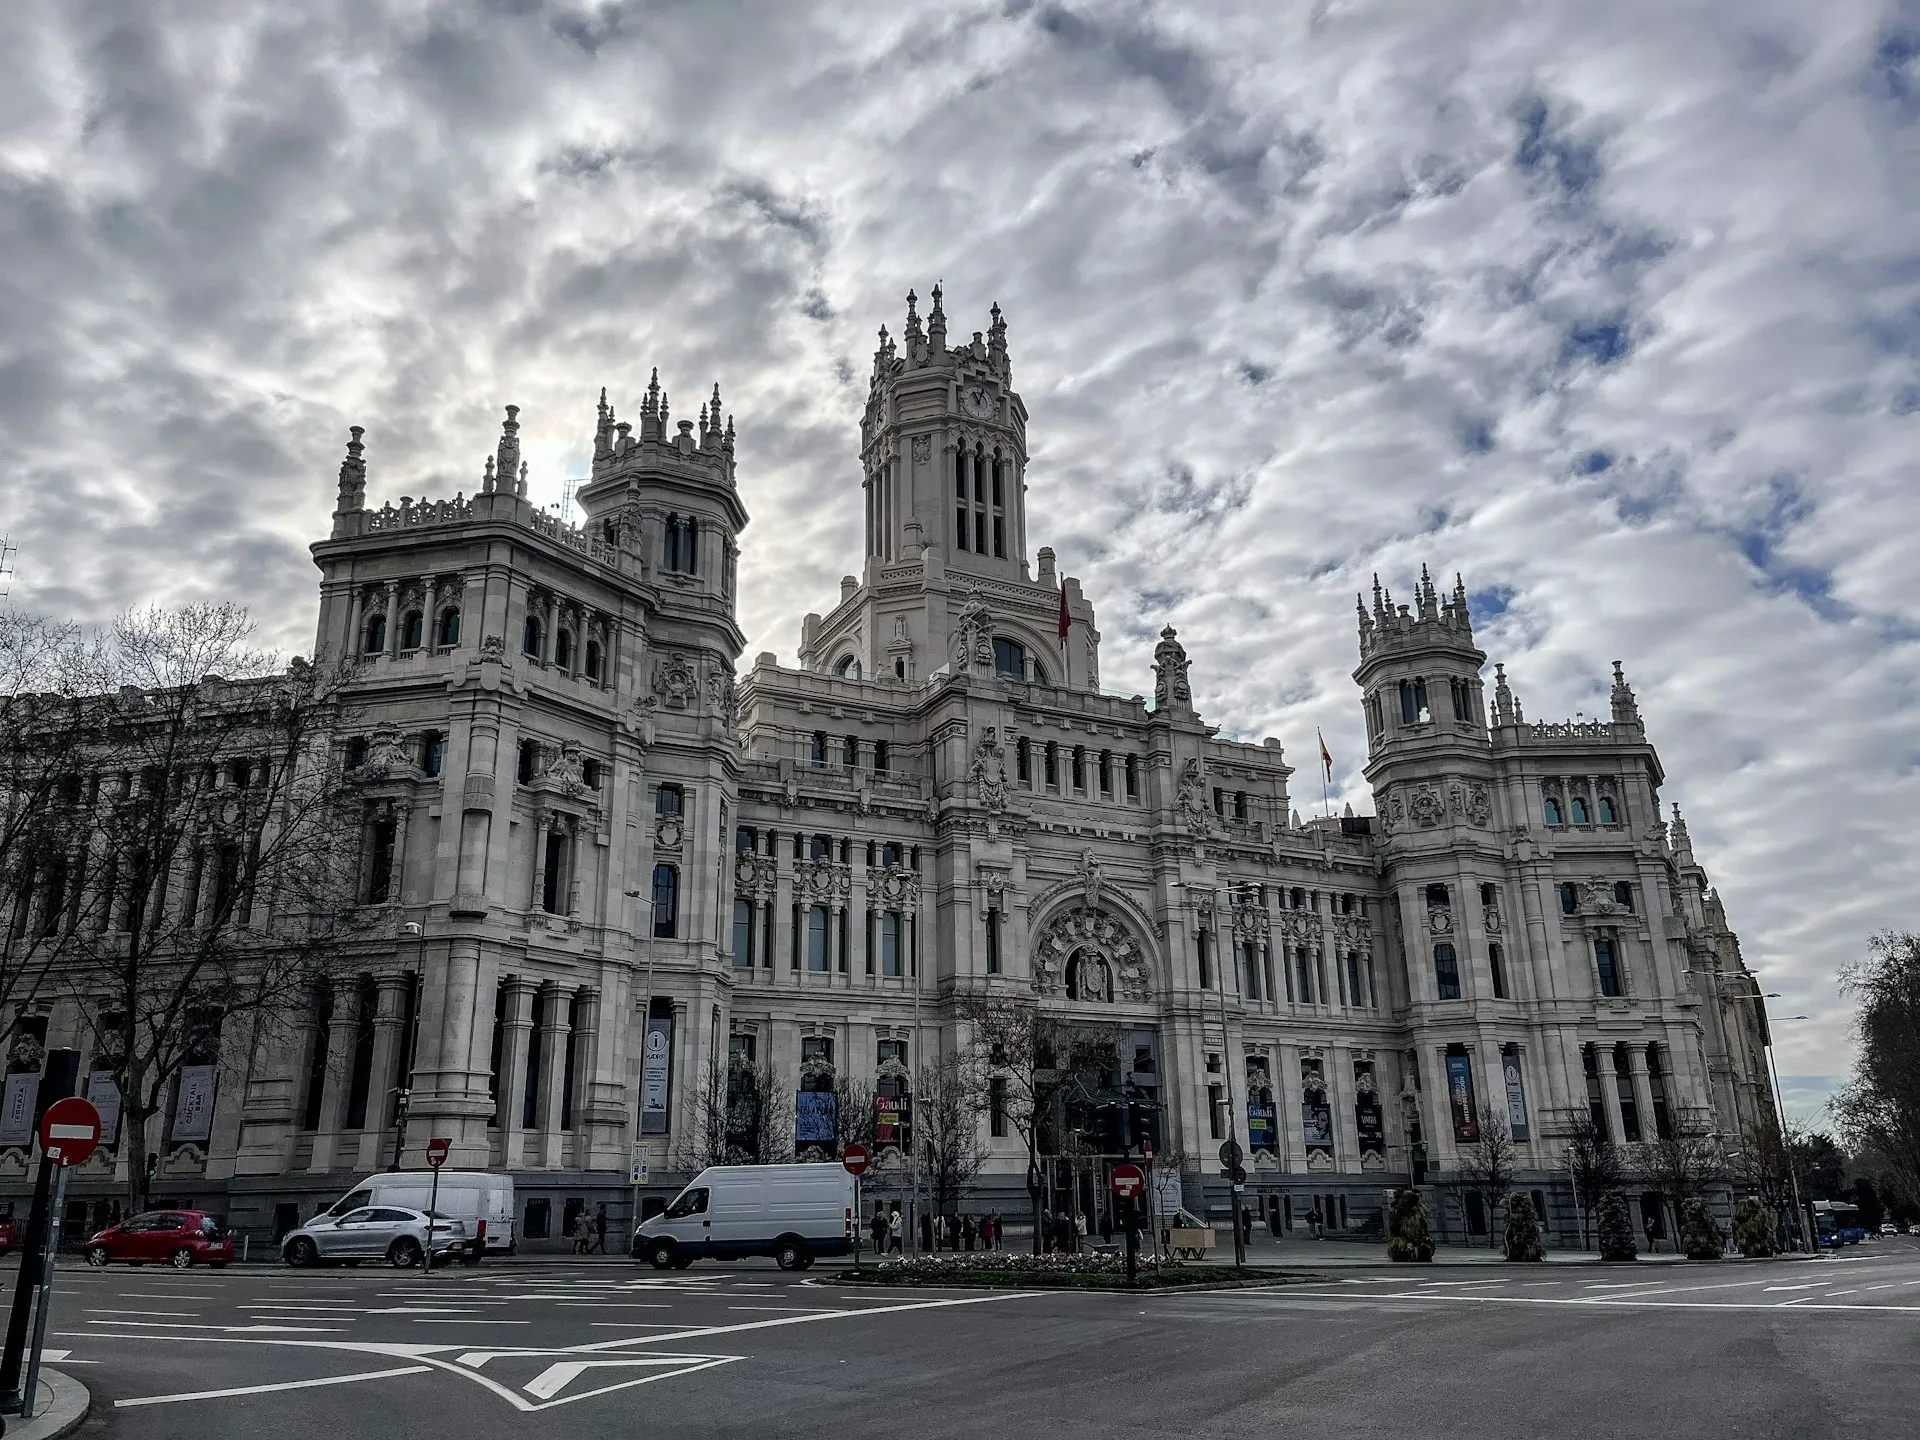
x,y
977,401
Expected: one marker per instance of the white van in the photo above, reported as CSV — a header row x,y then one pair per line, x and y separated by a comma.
x,y
795,1213
484,1201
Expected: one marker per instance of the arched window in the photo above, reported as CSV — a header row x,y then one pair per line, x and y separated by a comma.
x,y
1607,964
374,639
1446,971
1552,811
1569,898
530,637
670,545
1608,814
1496,962
1422,711
593,660
849,668
1009,658
666,902
1408,715
412,630
1579,811
563,649
1623,894
449,626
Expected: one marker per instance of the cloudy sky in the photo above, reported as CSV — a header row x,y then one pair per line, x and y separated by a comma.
x,y
1613,308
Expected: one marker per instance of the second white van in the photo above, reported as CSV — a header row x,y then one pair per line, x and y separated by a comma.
x,y
483,1200
793,1213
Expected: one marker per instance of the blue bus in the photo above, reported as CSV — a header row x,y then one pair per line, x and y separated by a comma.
x,y
1837,1223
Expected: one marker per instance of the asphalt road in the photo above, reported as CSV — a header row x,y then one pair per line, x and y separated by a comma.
x,y
1792,1349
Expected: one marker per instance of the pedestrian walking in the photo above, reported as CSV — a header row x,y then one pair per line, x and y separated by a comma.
x,y
879,1228
894,1232
1246,1226
1106,1227
600,1228
993,1219
582,1234
967,1232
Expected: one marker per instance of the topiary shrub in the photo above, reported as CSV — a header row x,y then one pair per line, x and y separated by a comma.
x,y
1408,1239
1700,1234
1523,1230
1616,1229
1753,1230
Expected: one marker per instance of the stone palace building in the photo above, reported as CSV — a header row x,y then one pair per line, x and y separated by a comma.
x,y
614,858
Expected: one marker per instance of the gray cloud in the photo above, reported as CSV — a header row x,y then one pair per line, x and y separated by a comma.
x,y
1614,309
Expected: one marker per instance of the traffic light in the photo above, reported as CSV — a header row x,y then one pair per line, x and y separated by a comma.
x,y
153,1164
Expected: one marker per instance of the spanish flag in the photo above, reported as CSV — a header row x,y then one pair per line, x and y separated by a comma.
x,y
1065,621
1326,756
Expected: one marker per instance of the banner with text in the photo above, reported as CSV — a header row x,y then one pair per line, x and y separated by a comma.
x,y
105,1097
1516,1095
656,1068
813,1117
16,1108
1466,1128
193,1103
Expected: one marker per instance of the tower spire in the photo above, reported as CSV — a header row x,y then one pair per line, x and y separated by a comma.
x,y
507,456
937,325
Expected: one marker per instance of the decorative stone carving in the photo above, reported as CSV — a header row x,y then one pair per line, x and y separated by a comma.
x,y
1250,919
564,771
1301,925
387,757
667,832
1426,808
973,638
753,876
1171,688
1089,875
1190,799
720,695
826,882
1354,931
1490,918
493,648
990,771
922,449
28,1053
896,888
1598,899
1440,920
1479,808
1111,962
674,682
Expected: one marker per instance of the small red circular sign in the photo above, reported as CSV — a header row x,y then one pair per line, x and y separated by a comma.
x,y
854,1158
70,1130
437,1152
1127,1181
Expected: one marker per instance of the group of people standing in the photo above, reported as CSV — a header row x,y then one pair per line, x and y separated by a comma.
x,y
954,1232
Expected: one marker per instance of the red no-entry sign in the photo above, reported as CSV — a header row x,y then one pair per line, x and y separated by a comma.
x,y
1127,1181
70,1130
437,1152
854,1158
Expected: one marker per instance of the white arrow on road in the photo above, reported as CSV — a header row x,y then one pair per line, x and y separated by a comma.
x,y
555,1378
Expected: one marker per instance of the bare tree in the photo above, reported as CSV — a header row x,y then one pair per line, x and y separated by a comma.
x,y
217,861
852,1113
1597,1168
1041,1061
948,1098
1489,1166
1680,1166
1879,1109
706,1142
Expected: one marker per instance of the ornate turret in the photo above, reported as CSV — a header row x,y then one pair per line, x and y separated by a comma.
x,y
1172,691
997,344
507,457
353,484
937,325
1626,710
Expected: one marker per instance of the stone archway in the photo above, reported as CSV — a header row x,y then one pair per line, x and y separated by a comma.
x,y
1085,953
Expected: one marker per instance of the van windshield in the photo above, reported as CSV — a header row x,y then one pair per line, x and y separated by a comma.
x,y
690,1202
352,1202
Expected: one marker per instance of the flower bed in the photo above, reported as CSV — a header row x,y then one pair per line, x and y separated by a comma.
x,y
1087,1270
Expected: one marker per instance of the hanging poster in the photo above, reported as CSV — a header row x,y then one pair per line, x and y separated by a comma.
x,y
1516,1095
105,1097
1262,1133
813,1116
1371,1123
16,1108
1316,1123
655,1067
889,1120
1466,1129
193,1104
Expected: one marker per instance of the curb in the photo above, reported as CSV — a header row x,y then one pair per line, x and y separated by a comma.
x,y
66,1404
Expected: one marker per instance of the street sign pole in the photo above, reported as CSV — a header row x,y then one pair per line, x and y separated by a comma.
x,y
25,1287
69,1133
31,1384
436,1157
859,1221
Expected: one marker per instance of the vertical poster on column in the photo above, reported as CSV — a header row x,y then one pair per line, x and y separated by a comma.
x,y
656,1067
1466,1128
887,1118
1262,1133
193,1104
104,1095
1370,1122
1516,1095
16,1108
1316,1123
813,1116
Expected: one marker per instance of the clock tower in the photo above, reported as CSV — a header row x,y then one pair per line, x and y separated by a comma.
x,y
943,454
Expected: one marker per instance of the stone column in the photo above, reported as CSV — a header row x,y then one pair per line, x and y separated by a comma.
x,y
554,1027
547,616
516,1030
356,616
339,1074
1610,1092
393,619
1642,1090
540,831
429,618
389,1042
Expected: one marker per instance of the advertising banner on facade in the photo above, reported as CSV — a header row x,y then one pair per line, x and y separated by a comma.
x,y
1316,1122
1466,1128
16,1108
1516,1095
105,1096
1262,1132
1370,1121
813,1116
656,1066
889,1120
193,1104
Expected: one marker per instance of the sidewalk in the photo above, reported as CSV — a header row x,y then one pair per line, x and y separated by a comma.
x,y
59,1408
1352,1254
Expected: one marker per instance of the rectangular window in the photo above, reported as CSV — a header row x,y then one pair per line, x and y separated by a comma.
x,y
993,940
1106,772
1023,760
997,1108
1203,942
766,938
879,757
1629,1109
793,961
1607,965
1446,971
669,800
1266,968
1250,955
553,889
1216,1107
743,934
999,537
890,943
1304,969
1496,962
1133,778
1354,996
666,902
1053,766
380,866
841,962
1079,768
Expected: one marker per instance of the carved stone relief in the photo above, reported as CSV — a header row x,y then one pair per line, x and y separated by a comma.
x,y
1109,961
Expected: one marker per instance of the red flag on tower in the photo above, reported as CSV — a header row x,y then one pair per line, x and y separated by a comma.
x,y
1326,756
1066,620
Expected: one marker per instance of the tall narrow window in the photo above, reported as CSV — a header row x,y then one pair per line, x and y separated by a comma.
x,y
1250,957
1303,969
412,630
1579,811
1623,894
450,626
666,902
553,891
880,762
743,934
1423,712
993,940
1552,811
433,752
1053,766
961,528
529,760
819,754
1106,772
818,938
997,1108
1496,962
1569,897
1079,767
1023,760
1607,964
850,752
530,637
593,661
375,639
1446,971
1203,943
1133,778
690,547
380,862
1408,714
1608,814
890,943
563,649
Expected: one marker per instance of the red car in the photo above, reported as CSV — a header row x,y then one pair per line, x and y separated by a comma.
x,y
180,1238
6,1234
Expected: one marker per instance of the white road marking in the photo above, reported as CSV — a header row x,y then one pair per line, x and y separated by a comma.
x,y
1599,1302
615,1305
422,1320
803,1309
552,1380
816,1315
270,1389
635,1324
169,1314
1814,1286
